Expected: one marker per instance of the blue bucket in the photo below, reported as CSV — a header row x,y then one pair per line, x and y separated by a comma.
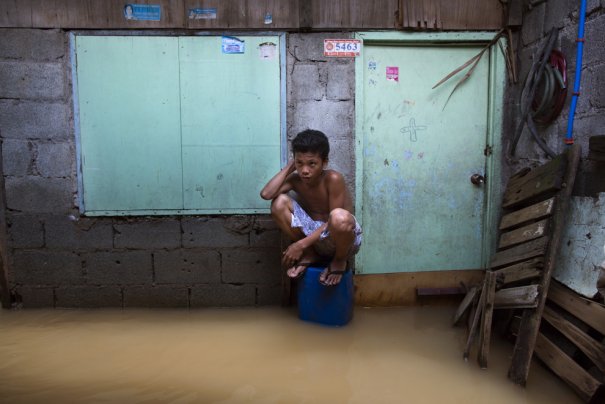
x,y
327,305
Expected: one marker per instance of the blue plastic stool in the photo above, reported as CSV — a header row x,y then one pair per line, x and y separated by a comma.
x,y
327,305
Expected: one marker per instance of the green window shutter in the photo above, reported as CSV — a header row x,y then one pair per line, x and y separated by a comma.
x,y
173,125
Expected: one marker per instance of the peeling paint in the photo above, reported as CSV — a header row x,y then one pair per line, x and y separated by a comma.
x,y
578,265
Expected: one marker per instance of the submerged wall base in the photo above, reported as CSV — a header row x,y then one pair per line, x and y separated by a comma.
x,y
399,289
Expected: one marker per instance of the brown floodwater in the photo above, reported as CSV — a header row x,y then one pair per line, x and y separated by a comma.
x,y
253,355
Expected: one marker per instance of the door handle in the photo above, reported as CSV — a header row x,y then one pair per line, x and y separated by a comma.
x,y
477,179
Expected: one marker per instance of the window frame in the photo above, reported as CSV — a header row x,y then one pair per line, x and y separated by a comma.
x,y
159,212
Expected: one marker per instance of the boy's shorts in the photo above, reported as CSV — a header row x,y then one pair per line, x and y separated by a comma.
x,y
325,245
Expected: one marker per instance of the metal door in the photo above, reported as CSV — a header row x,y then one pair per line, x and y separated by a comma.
x,y
417,155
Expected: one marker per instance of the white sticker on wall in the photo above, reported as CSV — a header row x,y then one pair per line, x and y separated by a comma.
x,y
267,50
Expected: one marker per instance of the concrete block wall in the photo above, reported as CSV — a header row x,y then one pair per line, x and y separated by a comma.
x,y
589,118
321,96
59,259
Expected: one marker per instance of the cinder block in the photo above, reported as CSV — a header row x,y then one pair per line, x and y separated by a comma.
x,y
165,233
187,267
594,32
17,157
310,47
37,194
533,24
88,297
334,118
210,233
259,265
342,158
265,233
33,44
305,83
33,81
56,160
526,60
35,120
25,231
268,238
33,297
241,224
587,125
118,268
556,15
264,222
223,295
43,267
156,296
341,81
84,233
268,295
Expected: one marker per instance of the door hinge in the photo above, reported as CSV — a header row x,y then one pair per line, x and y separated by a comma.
x,y
487,151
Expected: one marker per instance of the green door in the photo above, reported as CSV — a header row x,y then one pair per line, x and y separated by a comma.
x,y
419,209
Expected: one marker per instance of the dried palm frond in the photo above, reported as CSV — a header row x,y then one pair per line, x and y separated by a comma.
x,y
474,61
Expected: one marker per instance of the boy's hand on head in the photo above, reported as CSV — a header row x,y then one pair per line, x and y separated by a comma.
x,y
292,254
291,166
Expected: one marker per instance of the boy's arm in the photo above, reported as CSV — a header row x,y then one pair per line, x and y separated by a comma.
x,y
294,252
279,184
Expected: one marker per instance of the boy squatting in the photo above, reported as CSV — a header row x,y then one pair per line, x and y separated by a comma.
x,y
318,219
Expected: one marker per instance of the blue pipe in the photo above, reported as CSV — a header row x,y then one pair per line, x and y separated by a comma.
x,y
576,84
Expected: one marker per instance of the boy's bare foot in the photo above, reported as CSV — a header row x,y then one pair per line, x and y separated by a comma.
x,y
332,275
297,270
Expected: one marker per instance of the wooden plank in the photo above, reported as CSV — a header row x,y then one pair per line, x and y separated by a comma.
x,y
15,13
486,318
521,297
541,181
592,348
586,386
44,13
591,313
399,14
448,290
531,213
524,346
524,234
465,304
520,253
471,14
101,14
330,14
522,271
514,17
542,187
243,14
528,174
373,13
596,148
475,322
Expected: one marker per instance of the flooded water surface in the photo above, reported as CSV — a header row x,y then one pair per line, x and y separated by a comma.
x,y
257,355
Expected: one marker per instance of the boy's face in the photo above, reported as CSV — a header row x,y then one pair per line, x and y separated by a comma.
x,y
309,165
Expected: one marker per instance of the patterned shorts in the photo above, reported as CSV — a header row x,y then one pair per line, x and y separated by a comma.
x,y
325,245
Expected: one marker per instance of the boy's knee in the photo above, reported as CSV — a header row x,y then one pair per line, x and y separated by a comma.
x,y
280,204
341,220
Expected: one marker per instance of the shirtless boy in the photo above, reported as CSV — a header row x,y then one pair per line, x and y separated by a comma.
x,y
318,219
